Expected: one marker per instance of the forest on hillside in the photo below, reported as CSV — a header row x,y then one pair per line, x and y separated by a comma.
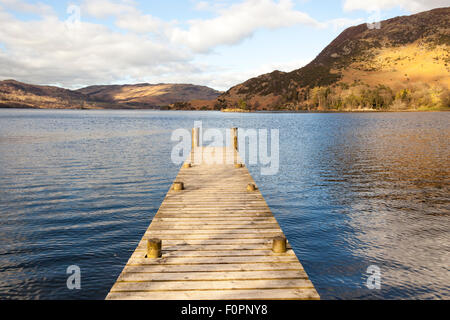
x,y
355,96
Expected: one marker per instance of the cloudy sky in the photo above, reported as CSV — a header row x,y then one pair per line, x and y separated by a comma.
x,y
215,43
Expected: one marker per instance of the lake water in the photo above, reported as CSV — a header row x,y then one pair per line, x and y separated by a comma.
x,y
353,190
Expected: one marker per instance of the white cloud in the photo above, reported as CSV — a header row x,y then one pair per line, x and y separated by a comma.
x,y
126,15
107,8
412,6
48,51
21,6
203,6
141,23
232,23
238,22
213,6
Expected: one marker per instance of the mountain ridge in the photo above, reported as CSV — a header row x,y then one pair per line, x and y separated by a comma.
x,y
16,94
357,50
142,94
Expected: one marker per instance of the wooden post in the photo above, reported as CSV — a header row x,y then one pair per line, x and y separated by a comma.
x,y
251,187
238,165
195,137
154,248
195,143
234,144
187,165
178,186
279,244
234,138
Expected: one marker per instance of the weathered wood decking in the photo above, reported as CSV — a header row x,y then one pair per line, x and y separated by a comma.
x,y
216,244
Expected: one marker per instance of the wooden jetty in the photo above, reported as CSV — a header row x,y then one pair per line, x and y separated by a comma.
x,y
214,237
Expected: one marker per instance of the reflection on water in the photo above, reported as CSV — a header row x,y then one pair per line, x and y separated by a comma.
x,y
392,182
353,190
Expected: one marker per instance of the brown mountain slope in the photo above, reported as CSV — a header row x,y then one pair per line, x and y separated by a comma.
x,y
403,64
149,94
14,94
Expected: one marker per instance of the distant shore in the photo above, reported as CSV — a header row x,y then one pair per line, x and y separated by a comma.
x,y
335,111
347,111
235,110
232,110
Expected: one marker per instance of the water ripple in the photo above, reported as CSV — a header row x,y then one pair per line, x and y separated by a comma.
x,y
353,190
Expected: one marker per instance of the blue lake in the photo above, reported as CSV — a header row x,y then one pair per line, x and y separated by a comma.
x,y
353,190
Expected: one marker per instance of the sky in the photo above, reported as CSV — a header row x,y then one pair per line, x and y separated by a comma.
x,y
219,43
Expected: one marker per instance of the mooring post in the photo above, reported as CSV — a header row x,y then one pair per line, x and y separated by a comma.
x,y
234,144
195,143
251,187
154,248
195,137
279,244
178,186
234,138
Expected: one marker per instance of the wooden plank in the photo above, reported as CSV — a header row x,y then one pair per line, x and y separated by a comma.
x,y
216,231
216,244
219,219
207,253
211,285
212,237
177,228
211,206
211,247
208,242
216,247
141,252
197,271
237,248
207,260
220,275
188,224
217,214
260,294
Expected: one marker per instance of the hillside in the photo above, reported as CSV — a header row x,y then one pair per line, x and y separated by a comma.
x,y
14,94
402,65
144,95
